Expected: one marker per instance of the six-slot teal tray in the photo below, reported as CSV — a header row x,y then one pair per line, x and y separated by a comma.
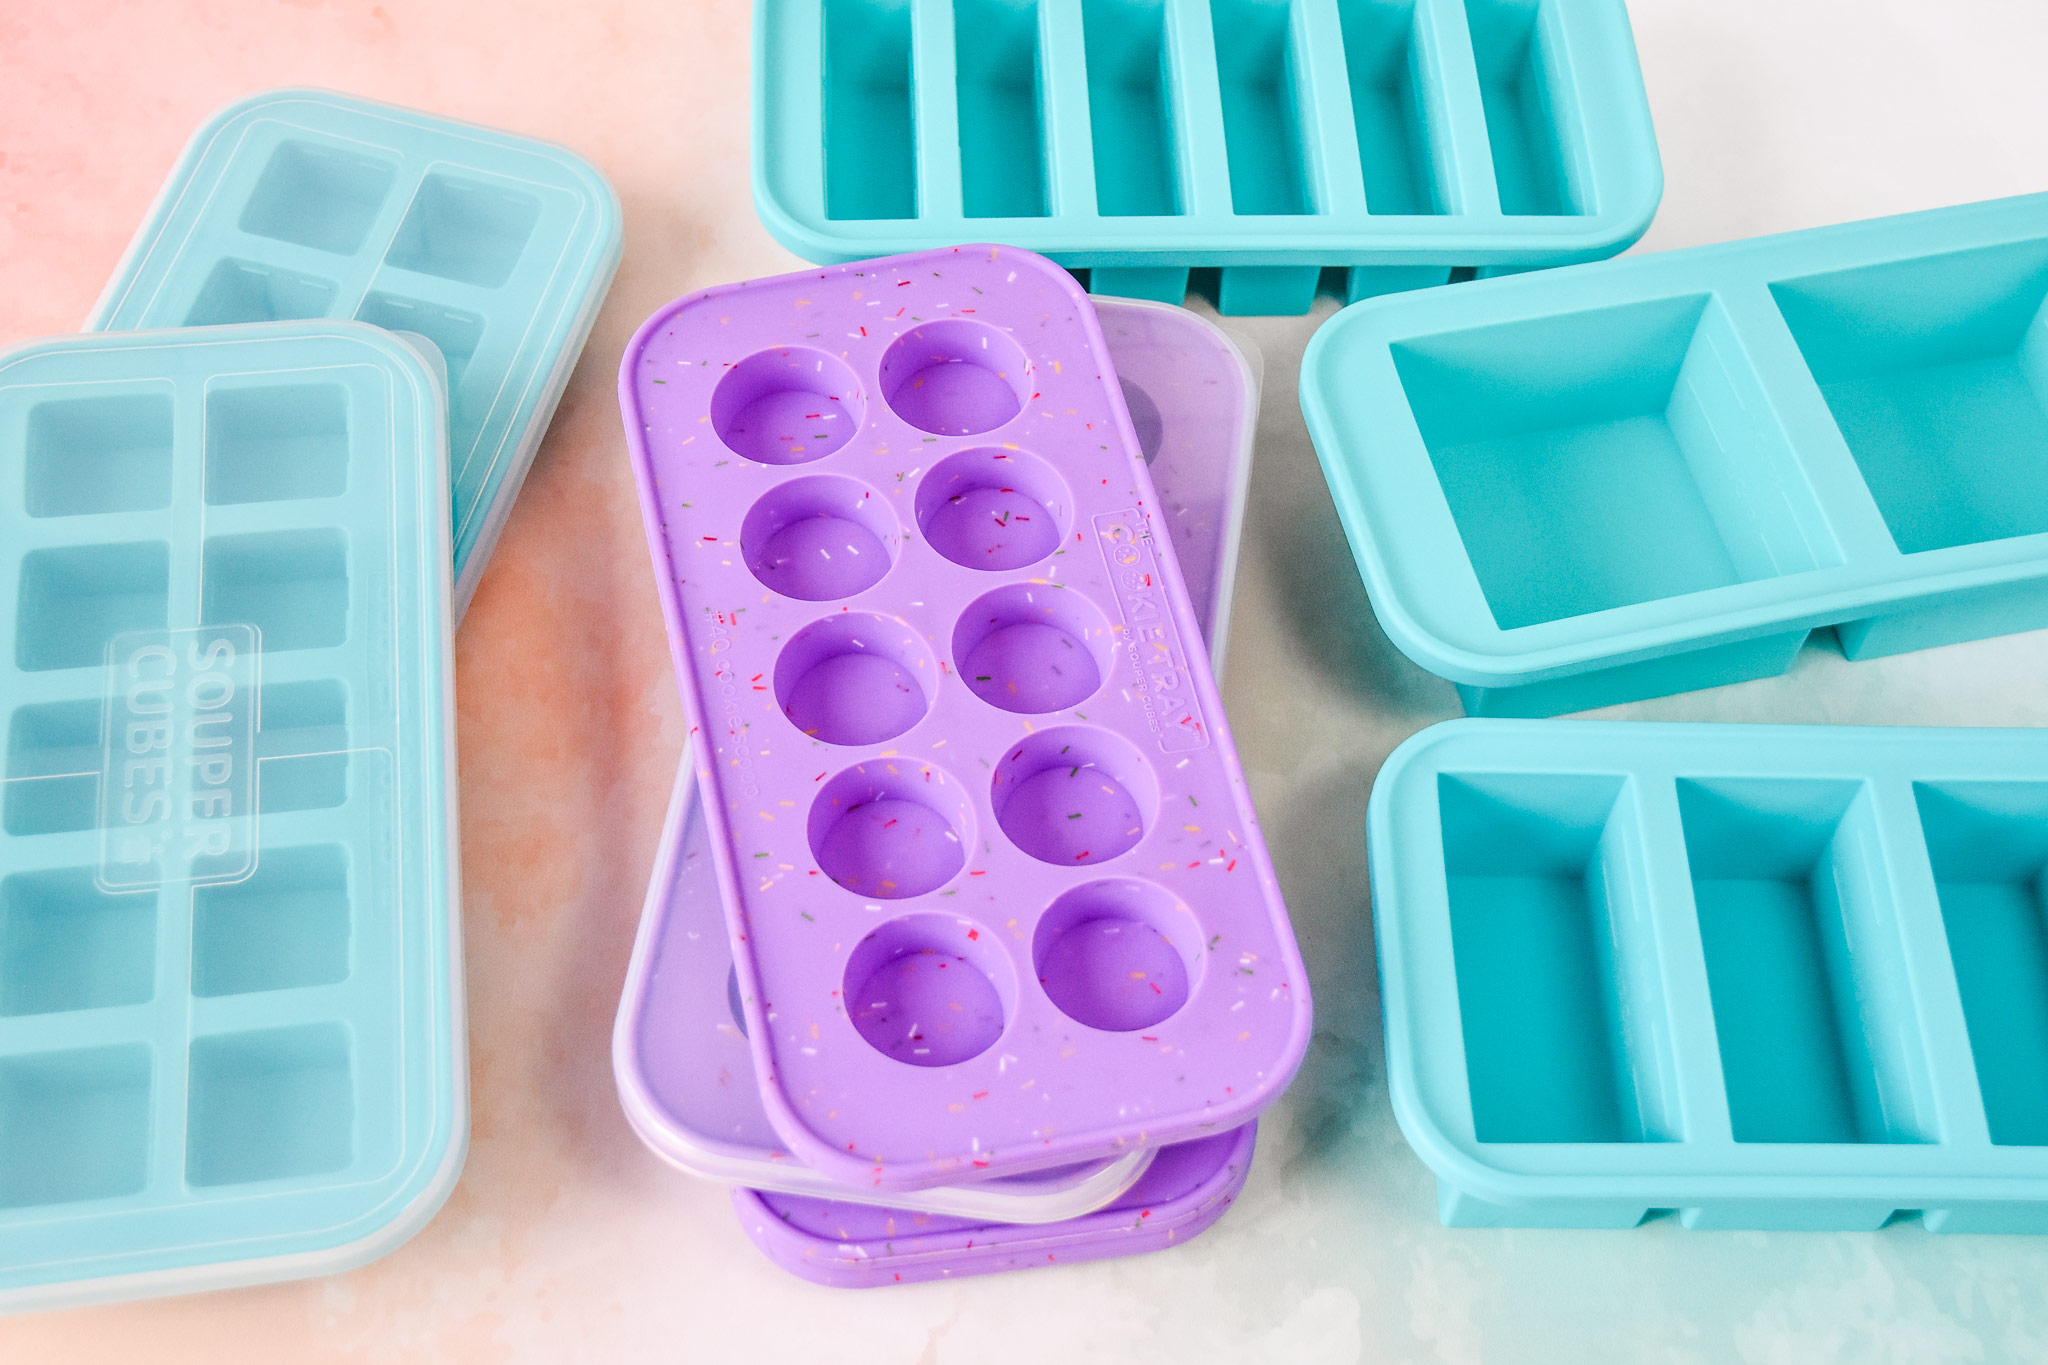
x,y
1661,473
231,1024
1395,140
1765,976
496,249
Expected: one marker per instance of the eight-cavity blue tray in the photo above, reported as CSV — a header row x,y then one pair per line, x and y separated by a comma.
x,y
1766,976
1393,139
495,249
231,1025
1661,473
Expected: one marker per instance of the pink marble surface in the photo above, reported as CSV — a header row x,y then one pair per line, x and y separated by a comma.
x,y
565,1240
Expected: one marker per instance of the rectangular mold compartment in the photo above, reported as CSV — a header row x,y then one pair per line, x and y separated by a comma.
x,y
271,1105
870,127
1531,111
276,442
1261,86
1598,459
1554,960
244,291
1936,371
1390,108
108,453
1001,108
1817,1035
67,945
285,928
292,586
1132,127
1988,843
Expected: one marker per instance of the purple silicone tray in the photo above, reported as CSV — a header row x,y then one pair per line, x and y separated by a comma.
x,y
855,1246
970,769
679,1051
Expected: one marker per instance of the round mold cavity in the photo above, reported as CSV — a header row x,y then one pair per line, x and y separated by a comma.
x,y
956,377
1117,954
929,990
1146,420
890,828
733,1001
855,678
993,509
820,538
1032,648
1074,795
787,407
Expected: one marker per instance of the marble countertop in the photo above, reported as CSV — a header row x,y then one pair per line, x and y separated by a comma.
x,y
566,1240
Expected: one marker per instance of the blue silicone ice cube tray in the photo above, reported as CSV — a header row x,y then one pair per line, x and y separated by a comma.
x,y
1661,473
1394,140
231,1037
1766,976
495,249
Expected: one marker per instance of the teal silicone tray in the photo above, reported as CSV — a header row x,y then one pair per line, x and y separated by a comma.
x,y
495,249
1766,976
1661,473
1394,140
231,1025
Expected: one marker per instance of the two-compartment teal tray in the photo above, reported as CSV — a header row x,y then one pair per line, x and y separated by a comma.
x,y
231,1025
1765,976
491,251
1395,140
1661,473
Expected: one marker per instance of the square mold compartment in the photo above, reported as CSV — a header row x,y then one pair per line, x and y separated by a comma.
x,y
74,1126
75,599
1778,977
1600,459
270,1106
1936,371
293,586
494,250
318,195
109,453
230,1016
1644,476
51,776
1256,141
65,944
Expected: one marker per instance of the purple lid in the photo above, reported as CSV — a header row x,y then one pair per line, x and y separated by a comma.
x,y
680,1055
856,1246
897,508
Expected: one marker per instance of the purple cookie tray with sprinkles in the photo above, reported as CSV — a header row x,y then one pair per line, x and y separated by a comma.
x,y
996,891
679,1050
855,1246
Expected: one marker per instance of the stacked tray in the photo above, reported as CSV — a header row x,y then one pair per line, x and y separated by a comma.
x,y
231,1022
996,358
490,252
1393,140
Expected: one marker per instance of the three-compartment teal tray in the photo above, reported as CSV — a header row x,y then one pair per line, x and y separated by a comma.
x,y
1395,140
1664,472
490,250
231,1023
1765,976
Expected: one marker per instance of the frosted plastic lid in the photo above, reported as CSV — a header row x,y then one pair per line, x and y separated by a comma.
x,y
230,1017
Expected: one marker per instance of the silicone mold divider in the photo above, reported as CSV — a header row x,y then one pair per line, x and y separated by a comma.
x,y
685,1075
490,252
895,509
856,1246
1662,473
1767,976
231,1025
1393,140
